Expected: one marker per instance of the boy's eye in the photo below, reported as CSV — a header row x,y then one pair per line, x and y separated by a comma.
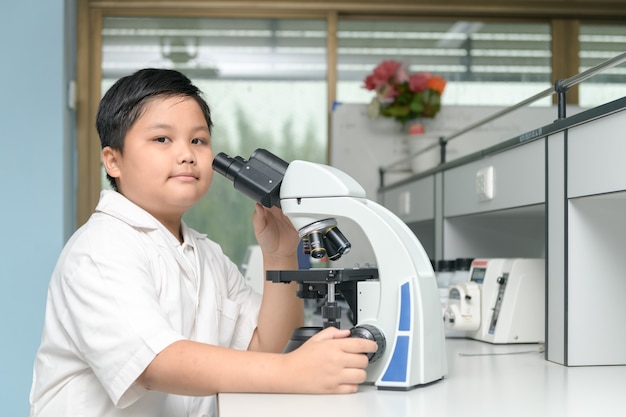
x,y
198,141
162,140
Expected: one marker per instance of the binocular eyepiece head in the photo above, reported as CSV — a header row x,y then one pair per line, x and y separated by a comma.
x,y
259,177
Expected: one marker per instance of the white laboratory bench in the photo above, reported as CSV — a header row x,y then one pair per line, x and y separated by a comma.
x,y
483,380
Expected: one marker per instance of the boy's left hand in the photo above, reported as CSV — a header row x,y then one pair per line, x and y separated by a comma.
x,y
275,234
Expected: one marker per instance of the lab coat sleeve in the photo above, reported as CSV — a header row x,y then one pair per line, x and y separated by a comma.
x,y
109,308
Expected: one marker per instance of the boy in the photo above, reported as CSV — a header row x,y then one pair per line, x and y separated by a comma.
x,y
147,317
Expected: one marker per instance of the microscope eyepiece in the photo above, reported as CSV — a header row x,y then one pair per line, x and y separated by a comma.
x,y
259,177
227,166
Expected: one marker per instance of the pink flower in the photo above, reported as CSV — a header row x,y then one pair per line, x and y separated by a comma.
x,y
371,82
419,81
402,75
383,74
386,69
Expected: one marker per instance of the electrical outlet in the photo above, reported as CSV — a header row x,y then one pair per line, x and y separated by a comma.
x,y
485,184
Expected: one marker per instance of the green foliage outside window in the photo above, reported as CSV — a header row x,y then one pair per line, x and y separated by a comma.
x,y
225,214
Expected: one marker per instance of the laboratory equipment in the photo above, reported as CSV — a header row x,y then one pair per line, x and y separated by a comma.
x,y
395,302
461,270
504,301
445,272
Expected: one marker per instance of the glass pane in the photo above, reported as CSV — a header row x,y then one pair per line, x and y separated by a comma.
x,y
484,63
264,79
597,44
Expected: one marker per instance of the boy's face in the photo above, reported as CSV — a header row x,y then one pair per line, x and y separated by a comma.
x,y
166,164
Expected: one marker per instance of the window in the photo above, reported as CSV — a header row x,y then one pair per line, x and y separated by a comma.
x,y
476,58
597,44
264,79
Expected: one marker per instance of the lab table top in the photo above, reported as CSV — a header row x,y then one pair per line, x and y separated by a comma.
x,y
483,380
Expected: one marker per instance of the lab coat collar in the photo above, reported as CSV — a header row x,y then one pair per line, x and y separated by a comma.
x,y
190,235
116,205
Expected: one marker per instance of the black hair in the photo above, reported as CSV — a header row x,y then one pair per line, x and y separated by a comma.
x,y
126,100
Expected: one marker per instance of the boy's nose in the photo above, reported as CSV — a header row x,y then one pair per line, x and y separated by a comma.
x,y
186,155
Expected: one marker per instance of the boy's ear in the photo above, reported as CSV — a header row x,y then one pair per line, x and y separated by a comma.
x,y
110,158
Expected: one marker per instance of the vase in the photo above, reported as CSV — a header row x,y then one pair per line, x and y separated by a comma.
x,y
420,139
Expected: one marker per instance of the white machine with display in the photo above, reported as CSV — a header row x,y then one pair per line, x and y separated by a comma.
x,y
395,302
504,301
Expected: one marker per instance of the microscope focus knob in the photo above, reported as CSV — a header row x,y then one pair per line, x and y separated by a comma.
x,y
367,331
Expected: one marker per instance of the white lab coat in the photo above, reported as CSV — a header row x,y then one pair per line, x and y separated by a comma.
x,y
123,289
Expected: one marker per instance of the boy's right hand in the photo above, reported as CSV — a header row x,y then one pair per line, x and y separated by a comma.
x,y
329,363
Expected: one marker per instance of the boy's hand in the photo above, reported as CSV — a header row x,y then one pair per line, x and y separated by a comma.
x,y
329,363
275,234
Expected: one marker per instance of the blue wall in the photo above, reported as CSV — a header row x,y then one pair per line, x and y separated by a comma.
x,y
36,177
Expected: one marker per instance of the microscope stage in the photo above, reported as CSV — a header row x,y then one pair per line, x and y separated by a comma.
x,y
322,275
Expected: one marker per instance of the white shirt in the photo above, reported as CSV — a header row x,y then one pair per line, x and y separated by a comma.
x,y
123,289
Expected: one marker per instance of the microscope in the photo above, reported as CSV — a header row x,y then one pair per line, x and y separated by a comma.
x,y
395,303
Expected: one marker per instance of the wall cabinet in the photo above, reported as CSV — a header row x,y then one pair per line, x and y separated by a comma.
x,y
560,196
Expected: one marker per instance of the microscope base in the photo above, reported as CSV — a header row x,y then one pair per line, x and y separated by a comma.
x,y
411,388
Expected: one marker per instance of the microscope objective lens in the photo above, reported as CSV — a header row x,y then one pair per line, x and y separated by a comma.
x,y
316,245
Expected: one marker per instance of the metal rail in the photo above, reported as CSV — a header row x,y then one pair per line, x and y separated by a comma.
x,y
560,87
578,78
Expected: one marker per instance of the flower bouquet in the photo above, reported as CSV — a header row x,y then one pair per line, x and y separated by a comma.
x,y
402,95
